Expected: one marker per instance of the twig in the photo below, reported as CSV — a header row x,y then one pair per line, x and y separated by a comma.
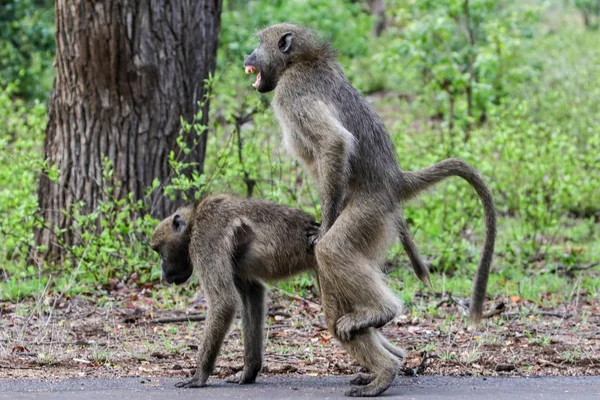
x,y
458,302
295,296
279,314
541,361
202,317
542,314
499,309
451,299
419,369
319,326
564,268
184,318
18,367
445,300
57,343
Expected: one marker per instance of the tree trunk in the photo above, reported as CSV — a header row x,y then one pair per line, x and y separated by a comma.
x,y
471,62
127,70
378,11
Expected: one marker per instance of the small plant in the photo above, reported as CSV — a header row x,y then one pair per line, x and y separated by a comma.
x,y
542,340
446,356
47,359
572,356
471,357
170,346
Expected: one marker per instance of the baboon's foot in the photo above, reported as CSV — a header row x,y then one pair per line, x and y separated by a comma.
x,y
242,377
196,382
377,386
361,379
348,324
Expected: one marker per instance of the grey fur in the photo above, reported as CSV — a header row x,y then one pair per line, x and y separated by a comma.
x,y
235,244
344,146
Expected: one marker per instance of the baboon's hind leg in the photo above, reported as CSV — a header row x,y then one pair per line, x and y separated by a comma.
x,y
369,351
252,294
348,258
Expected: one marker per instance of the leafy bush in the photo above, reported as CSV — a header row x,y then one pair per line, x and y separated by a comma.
x,y
20,160
26,47
590,9
466,52
532,133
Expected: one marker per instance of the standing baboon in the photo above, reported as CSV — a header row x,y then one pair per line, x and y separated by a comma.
x,y
234,244
344,146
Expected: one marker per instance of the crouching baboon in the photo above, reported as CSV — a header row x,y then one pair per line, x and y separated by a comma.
x,y
345,147
234,244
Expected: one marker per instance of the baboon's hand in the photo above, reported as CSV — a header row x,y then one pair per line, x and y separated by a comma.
x,y
241,378
345,328
314,234
195,382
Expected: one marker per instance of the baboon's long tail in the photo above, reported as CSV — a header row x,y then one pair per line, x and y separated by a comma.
x,y
417,181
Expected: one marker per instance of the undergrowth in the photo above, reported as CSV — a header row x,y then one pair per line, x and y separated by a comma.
x,y
519,103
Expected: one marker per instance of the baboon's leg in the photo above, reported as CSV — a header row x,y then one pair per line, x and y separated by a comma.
x,y
348,258
252,293
365,379
368,350
216,274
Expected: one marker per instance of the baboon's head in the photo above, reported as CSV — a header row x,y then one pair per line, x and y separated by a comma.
x,y
171,240
281,46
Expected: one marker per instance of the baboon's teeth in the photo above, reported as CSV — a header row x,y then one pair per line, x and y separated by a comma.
x,y
250,69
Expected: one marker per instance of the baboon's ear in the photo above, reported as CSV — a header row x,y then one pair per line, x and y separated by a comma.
x,y
178,223
285,42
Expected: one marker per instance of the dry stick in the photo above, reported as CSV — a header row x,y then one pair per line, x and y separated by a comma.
x,y
185,318
575,268
295,296
499,309
458,302
202,317
75,343
419,369
542,314
445,300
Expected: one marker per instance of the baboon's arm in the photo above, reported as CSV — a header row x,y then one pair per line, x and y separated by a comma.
x,y
334,146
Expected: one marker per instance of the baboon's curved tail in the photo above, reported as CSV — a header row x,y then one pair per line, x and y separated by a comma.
x,y
415,182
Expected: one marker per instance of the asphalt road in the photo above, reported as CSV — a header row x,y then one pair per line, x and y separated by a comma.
x,y
298,387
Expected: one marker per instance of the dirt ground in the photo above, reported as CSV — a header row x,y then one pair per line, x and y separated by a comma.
x,y
124,336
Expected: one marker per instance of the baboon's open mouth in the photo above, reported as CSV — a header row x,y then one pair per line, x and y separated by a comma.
x,y
250,69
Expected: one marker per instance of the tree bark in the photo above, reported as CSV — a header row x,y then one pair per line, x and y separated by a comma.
x,y
378,11
471,62
127,70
